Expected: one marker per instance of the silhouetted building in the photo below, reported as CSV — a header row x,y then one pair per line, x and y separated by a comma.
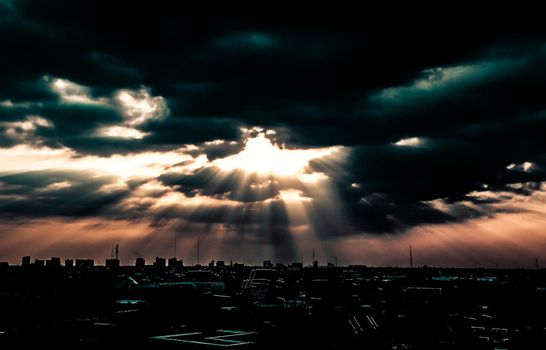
x,y
39,262
358,267
220,263
25,261
112,263
160,262
267,264
85,263
53,262
140,263
174,262
211,264
69,263
297,265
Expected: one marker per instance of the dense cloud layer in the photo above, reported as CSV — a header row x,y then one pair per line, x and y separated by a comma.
x,y
430,115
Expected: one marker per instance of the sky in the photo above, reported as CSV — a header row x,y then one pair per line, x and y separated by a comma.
x,y
270,133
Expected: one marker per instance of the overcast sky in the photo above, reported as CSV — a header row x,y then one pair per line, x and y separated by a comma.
x,y
271,132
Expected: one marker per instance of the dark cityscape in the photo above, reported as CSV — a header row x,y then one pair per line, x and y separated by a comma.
x,y
166,305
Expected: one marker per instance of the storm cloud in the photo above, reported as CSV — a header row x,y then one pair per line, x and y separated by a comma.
x,y
434,121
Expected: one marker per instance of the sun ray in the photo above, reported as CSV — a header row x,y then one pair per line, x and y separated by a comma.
x,y
288,180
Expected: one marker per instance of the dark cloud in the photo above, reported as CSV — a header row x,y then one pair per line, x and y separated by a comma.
x,y
247,42
473,93
56,193
190,130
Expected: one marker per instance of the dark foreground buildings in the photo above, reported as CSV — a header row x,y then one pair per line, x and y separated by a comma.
x,y
172,306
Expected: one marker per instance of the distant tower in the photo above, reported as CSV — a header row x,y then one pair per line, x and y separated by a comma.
x,y
140,263
117,251
174,246
410,257
198,248
313,256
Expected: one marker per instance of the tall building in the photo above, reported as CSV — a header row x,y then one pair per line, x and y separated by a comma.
x,y
25,261
69,263
53,262
140,263
112,263
174,262
160,262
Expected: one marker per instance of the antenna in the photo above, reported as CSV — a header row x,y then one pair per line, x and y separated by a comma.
x,y
197,248
112,252
313,256
117,251
175,245
410,257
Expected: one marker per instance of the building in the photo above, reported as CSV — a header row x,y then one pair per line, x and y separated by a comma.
x,y
112,263
85,263
140,263
53,262
220,263
69,263
160,262
174,262
25,261
267,264
39,262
